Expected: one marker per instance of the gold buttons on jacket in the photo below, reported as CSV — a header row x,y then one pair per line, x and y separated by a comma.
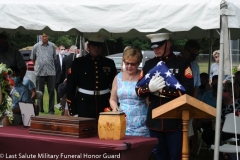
x,y
96,76
96,87
96,81
96,71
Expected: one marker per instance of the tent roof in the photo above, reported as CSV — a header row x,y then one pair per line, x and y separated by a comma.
x,y
135,18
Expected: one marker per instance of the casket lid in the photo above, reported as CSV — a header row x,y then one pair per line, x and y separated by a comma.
x,y
111,113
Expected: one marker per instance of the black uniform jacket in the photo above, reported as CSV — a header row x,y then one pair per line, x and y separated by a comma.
x,y
181,69
92,74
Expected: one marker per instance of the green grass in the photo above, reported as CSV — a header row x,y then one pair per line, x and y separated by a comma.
x,y
46,102
203,67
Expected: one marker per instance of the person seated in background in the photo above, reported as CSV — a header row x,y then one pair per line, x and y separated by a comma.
x,y
28,83
123,91
204,87
227,107
19,93
237,79
230,97
209,98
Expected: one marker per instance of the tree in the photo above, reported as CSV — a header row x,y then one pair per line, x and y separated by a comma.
x,y
136,42
113,46
65,40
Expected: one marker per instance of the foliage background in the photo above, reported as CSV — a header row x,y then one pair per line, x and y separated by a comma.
x,y
112,46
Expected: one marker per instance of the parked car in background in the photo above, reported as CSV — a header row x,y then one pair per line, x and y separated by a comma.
x,y
117,58
26,53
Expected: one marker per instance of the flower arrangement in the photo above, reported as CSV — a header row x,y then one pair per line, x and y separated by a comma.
x,y
5,88
234,70
107,109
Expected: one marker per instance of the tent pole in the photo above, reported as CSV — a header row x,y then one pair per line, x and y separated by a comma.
x,y
83,44
80,46
210,51
223,38
76,40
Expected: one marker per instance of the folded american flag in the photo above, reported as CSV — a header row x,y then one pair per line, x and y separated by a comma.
x,y
161,70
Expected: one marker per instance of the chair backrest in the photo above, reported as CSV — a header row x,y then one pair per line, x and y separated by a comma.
x,y
39,95
229,124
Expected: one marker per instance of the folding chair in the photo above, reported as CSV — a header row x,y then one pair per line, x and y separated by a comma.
x,y
228,127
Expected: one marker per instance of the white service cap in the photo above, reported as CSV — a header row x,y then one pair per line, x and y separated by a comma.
x,y
97,38
158,39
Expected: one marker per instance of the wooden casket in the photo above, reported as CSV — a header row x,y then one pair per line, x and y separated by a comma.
x,y
77,127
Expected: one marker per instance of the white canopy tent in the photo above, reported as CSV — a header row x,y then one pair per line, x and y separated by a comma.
x,y
128,19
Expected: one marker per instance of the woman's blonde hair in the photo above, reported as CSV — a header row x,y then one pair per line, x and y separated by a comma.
x,y
73,49
132,52
216,52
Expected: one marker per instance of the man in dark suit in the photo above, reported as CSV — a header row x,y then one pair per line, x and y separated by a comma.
x,y
58,67
67,61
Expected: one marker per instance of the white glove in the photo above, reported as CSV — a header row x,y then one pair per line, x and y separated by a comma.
x,y
156,83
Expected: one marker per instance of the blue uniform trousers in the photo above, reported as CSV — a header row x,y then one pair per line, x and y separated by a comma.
x,y
169,145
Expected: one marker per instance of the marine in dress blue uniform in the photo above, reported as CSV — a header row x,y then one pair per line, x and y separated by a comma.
x,y
168,131
89,81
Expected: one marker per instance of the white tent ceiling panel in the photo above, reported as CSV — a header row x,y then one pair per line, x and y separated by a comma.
x,y
128,19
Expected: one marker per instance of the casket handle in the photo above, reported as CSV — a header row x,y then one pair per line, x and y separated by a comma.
x,y
88,129
128,145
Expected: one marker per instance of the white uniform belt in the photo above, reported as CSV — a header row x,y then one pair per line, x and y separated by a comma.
x,y
160,95
93,92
